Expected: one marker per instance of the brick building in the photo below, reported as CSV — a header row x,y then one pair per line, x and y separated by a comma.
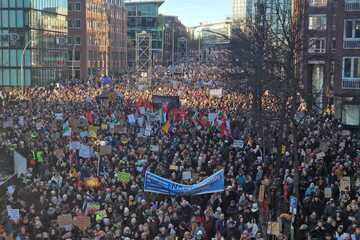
x,y
330,64
97,37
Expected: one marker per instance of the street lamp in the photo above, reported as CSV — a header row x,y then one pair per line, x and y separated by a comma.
x,y
72,63
22,64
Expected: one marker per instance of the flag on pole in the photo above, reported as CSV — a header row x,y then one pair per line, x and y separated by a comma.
x,y
166,127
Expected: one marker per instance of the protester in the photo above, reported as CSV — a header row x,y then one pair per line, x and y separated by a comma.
x,y
89,148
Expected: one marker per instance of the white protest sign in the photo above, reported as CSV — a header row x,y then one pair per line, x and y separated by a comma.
x,y
75,145
21,121
147,132
238,143
8,123
11,190
186,175
216,92
85,151
14,214
154,148
59,116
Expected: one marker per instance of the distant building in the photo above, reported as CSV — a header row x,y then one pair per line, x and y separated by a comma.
x,y
143,16
175,40
212,34
41,27
243,10
97,38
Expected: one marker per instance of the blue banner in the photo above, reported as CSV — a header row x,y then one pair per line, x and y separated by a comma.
x,y
156,184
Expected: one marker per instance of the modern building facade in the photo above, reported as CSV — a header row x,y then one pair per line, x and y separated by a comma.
x,y
243,10
143,16
97,38
33,36
331,56
117,19
213,34
175,40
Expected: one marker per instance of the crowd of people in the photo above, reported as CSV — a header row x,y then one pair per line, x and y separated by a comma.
x,y
88,148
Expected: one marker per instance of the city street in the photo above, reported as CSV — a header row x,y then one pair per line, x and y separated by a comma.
x,y
143,120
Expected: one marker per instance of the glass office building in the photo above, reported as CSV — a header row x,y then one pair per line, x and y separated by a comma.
x,y
33,34
143,15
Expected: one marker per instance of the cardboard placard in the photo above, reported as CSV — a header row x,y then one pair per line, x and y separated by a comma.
x,y
82,222
93,131
104,126
65,219
186,175
261,192
173,167
345,184
345,133
9,123
123,177
154,148
105,150
273,228
74,123
120,130
320,155
328,192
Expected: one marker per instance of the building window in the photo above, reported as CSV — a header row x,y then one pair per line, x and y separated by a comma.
x,y
77,6
317,22
351,67
75,23
317,3
333,44
317,45
352,28
75,54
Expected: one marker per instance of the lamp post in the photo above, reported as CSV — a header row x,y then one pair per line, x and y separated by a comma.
x,y
22,65
72,63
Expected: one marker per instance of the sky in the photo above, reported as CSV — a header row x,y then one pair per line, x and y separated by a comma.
x,y
192,12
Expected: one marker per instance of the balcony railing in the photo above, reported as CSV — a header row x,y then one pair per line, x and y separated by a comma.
x,y
352,5
351,83
352,43
317,50
318,3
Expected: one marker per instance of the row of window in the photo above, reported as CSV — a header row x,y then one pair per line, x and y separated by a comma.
x,y
351,26
75,23
150,9
318,45
75,6
12,77
14,58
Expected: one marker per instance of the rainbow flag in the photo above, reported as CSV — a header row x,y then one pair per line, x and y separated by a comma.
x,y
166,127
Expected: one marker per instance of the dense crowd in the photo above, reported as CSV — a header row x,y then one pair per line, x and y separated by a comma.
x,y
107,186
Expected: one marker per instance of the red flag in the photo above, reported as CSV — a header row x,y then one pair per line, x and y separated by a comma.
x,y
165,107
223,126
89,117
